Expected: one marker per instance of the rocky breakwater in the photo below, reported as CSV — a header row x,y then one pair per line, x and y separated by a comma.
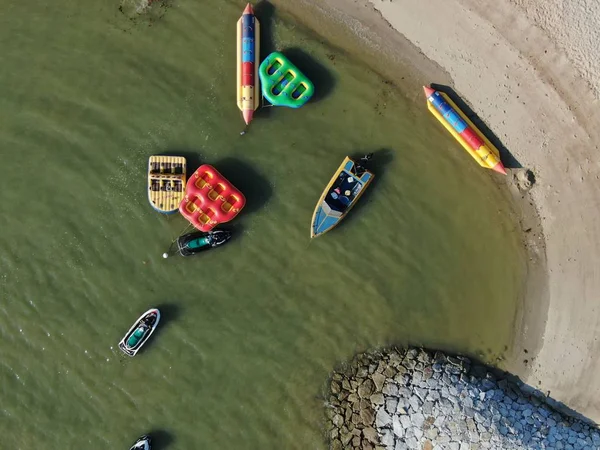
x,y
417,399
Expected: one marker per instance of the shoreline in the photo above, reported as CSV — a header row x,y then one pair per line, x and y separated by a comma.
x,y
501,59
414,398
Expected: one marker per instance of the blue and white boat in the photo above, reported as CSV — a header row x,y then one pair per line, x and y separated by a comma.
x,y
341,194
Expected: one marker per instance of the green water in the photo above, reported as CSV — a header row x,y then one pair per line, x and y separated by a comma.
x,y
250,331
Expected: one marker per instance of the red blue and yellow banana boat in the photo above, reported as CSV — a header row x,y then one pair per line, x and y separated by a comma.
x,y
463,130
248,60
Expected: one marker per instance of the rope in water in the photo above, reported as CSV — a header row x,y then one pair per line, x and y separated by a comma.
x,y
170,250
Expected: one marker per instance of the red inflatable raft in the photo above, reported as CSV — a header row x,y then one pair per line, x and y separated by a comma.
x,y
210,199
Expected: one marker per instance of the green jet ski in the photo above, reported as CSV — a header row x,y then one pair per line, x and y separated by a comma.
x,y
197,242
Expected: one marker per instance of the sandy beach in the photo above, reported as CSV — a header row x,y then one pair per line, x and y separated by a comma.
x,y
529,69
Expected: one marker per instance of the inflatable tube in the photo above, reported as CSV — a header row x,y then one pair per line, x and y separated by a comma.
x,y
210,199
282,83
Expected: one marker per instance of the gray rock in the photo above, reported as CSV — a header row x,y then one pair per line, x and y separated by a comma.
x,y
415,403
427,408
338,420
446,379
362,372
367,415
401,445
433,381
443,439
431,434
387,438
391,405
412,442
469,412
353,398
390,389
479,418
417,376
409,364
377,399
453,360
433,395
467,402
474,436
403,406
427,373
405,421
394,359
404,392
417,419
439,421
445,407
382,418
346,438
421,393
452,370
366,389
371,435
378,380
418,433
397,426
334,433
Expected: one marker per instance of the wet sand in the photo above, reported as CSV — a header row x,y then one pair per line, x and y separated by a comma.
x,y
528,69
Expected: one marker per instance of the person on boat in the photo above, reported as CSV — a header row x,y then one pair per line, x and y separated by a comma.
x,y
359,169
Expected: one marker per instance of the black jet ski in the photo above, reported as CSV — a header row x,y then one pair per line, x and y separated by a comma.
x,y
139,333
143,443
194,243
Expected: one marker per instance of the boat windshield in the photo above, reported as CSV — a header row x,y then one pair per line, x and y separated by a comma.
x,y
343,192
198,243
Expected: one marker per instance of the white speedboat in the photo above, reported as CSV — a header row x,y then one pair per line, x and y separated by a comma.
x,y
139,333
143,443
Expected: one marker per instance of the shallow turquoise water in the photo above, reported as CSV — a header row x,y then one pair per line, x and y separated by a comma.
x,y
250,332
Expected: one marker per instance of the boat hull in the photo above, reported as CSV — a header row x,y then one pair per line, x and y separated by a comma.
x,y
149,319
339,197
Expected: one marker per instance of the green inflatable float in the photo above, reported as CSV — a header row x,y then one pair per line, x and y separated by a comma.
x,y
282,83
